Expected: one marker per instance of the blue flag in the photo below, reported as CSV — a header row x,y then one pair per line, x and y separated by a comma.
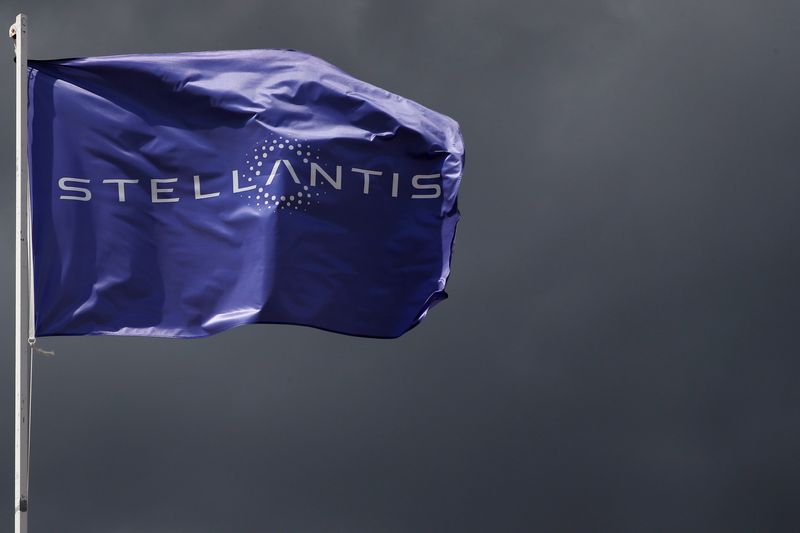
x,y
179,195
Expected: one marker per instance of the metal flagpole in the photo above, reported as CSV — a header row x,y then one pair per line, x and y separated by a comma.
x,y
22,348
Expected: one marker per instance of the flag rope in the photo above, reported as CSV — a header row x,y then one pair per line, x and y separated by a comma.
x,y
31,343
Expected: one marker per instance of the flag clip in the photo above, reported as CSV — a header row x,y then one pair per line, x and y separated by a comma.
x,y
12,32
46,353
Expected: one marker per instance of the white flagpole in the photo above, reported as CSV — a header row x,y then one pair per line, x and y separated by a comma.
x,y
22,348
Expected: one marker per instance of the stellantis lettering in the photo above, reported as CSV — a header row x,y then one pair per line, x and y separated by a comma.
x,y
162,190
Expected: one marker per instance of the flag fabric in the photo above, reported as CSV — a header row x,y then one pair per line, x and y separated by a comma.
x,y
179,195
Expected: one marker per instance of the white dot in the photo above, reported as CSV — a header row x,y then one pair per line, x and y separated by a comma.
x,y
305,160
249,179
283,198
305,187
258,197
264,154
259,164
299,152
261,189
308,154
291,198
299,201
263,148
256,157
280,145
271,148
274,197
291,147
251,168
274,142
300,194
276,203
299,145
258,173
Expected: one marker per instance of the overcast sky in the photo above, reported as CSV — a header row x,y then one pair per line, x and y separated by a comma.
x,y
620,347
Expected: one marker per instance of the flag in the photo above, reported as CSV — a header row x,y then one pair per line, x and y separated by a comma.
x,y
180,195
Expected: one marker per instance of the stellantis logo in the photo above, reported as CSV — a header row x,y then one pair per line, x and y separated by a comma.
x,y
273,160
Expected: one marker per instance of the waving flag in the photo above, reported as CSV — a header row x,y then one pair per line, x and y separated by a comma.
x,y
179,195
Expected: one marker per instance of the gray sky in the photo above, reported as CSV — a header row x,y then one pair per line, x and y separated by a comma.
x,y
619,351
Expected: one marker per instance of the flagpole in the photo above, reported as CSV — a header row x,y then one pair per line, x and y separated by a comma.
x,y
22,348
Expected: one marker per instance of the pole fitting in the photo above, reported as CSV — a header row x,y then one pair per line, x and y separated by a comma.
x,y
23,505
12,31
